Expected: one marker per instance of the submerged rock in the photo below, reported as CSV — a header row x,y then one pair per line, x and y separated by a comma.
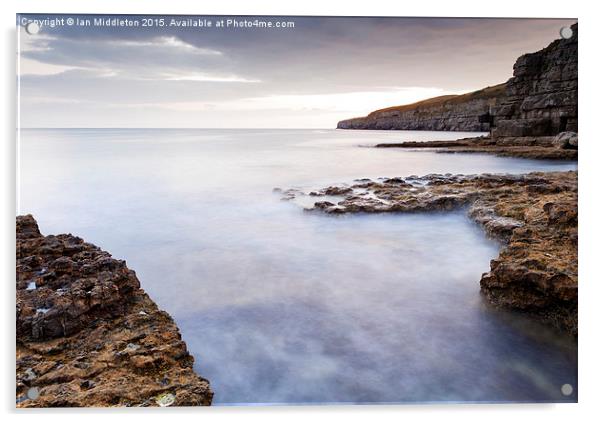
x,y
88,335
534,215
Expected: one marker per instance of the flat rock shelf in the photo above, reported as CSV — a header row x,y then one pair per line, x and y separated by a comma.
x,y
533,215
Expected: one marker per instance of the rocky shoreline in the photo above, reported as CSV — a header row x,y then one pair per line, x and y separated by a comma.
x,y
449,112
563,146
533,115
533,215
88,335
540,99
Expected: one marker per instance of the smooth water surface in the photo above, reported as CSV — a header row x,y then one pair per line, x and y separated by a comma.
x,y
282,306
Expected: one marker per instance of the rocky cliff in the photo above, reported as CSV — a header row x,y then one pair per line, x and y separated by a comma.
x,y
88,335
541,97
468,112
539,100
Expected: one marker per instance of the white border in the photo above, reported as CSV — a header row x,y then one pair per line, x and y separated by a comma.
x,y
589,169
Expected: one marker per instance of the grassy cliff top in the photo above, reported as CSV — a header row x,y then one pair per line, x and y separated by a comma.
x,y
485,93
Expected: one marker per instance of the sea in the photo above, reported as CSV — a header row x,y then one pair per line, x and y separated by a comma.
x,y
282,306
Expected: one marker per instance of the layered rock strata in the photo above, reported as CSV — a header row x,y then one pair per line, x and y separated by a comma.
x,y
88,335
533,215
563,146
541,97
469,112
539,100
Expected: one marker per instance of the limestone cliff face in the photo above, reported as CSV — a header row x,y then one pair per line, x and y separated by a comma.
x,y
468,112
539,100
541,97
88,335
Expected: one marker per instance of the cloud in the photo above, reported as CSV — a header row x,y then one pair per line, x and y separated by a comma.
x,y
359,103
34,67
331,67
170,42
204,77
149,58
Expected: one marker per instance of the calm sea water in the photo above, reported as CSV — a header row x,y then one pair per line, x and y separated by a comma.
x,y
282,306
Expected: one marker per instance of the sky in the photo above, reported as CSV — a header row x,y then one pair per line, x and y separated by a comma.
x,y
311,75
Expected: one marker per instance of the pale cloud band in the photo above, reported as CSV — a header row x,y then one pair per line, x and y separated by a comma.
x,y
312,75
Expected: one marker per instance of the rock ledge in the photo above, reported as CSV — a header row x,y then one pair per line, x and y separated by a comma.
x,y
563,146
88,335
533,215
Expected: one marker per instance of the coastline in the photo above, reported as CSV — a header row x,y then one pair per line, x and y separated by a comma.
x,y
89,336
533,115
354,282
539,100
560,147
534,216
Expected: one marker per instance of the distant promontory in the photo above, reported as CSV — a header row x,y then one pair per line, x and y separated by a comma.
x,y
539,100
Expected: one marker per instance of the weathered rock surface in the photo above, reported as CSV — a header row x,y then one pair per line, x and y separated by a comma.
x,y
541,97
561,147
88,335
533,215
469,112
566,140
539,100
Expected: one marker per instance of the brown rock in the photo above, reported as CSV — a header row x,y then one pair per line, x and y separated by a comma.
x,y
468,112
535,215
541,97
536,147
566,140
540,100
87,335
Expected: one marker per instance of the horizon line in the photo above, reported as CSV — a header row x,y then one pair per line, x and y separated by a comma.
x,y
160,128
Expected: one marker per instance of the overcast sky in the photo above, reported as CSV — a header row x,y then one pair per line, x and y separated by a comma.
x,y
313,75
